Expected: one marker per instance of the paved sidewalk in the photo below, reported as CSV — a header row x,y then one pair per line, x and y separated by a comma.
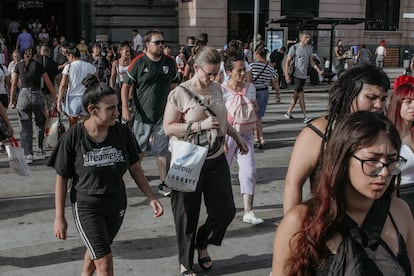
x,y
146,246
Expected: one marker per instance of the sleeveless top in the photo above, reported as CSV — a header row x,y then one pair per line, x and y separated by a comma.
x,y
122,72
363,251
314,172
407,175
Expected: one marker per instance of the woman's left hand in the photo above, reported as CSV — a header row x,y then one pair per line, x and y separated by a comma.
x,y
157,207
242,145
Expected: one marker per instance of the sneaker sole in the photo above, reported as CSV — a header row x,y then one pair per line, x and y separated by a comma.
x,y
251,222
161,192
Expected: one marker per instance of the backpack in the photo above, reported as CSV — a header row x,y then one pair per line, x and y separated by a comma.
x,y
240,112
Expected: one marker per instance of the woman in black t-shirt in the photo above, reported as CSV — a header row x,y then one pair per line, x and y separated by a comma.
x,y
95,154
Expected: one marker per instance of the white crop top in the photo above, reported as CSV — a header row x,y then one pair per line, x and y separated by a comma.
x,y
407,175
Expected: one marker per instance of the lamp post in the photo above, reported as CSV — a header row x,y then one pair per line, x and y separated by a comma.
x,y
256,21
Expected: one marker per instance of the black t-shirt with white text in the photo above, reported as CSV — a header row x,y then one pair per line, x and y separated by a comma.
x,y
96,168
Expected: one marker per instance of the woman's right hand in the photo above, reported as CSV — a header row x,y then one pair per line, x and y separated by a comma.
x,y
60,228
209,123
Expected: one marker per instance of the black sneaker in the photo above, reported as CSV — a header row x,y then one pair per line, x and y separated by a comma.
x,y
164,190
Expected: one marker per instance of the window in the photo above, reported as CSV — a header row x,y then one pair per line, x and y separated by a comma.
x,y
386,13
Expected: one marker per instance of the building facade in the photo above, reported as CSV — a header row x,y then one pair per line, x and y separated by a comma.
x,y
389,20
279,21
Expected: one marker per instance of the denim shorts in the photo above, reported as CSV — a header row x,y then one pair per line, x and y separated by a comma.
x,y
73,106
262,97
151,138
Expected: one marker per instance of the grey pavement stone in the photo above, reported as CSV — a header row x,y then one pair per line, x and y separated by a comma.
x,y
145,245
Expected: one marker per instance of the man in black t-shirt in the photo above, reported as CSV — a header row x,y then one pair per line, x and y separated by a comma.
x,y
152,74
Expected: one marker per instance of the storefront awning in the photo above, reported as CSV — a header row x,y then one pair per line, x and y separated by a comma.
x,y
302,21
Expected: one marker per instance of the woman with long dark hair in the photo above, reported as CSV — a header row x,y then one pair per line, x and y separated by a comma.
x,y
352,225
363,87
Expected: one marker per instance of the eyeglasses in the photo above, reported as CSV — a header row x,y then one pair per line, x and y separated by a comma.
x,y
158,42
209,74
372,167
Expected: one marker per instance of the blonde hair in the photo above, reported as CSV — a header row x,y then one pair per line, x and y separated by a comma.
x,y
207,55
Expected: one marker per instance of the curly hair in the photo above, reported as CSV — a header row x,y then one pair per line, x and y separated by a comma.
x,y
347,87
326,209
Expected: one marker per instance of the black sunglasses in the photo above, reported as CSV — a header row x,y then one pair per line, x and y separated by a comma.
x,y
158,42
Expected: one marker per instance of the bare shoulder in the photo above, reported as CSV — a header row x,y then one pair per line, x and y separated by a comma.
x,y
402,215
308,134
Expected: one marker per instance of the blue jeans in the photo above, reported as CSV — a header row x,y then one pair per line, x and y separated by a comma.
x,y
31,102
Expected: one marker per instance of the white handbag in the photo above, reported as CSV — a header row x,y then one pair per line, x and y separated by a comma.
x,y
187,159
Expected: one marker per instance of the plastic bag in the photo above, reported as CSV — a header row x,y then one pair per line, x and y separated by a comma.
x,y
17,160
187,159
54,129
51,132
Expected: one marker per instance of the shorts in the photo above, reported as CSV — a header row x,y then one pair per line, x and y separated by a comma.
x,y
4,100
73,106
262,97
299,83
98,219
151,138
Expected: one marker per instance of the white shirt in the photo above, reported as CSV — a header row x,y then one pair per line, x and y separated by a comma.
x,y
380,50
137,42
3,74
76,72
407,175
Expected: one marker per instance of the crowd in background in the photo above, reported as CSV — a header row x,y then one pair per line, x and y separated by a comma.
x,y
350,178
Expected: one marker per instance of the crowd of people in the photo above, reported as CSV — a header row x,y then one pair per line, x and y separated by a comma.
x,y
137,98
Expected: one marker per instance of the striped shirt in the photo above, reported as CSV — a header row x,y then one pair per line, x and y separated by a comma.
x,y
262,75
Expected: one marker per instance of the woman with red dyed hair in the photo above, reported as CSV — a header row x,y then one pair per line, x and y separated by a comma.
x,y
352,225
401,113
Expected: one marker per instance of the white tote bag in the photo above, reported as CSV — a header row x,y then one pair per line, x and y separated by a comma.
x,y
17,160
187,159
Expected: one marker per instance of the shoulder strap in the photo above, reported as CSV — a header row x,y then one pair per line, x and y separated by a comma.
x,y
258,76
316,130
206,108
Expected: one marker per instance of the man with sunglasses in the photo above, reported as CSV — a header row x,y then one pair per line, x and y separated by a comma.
x,y
152,74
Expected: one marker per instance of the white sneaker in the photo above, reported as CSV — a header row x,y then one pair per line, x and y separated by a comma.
x,y
29,159
251,218
307,119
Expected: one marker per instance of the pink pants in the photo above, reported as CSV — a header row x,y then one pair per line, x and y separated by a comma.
x,y
246,163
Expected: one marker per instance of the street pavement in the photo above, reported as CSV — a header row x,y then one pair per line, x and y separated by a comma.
x,y
146,246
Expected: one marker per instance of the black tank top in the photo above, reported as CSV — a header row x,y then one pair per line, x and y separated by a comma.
x,y
364,252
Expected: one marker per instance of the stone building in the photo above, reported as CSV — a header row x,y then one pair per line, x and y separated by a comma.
x,y
369,21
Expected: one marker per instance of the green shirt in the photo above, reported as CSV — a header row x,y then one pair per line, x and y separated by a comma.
x,y
152,85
